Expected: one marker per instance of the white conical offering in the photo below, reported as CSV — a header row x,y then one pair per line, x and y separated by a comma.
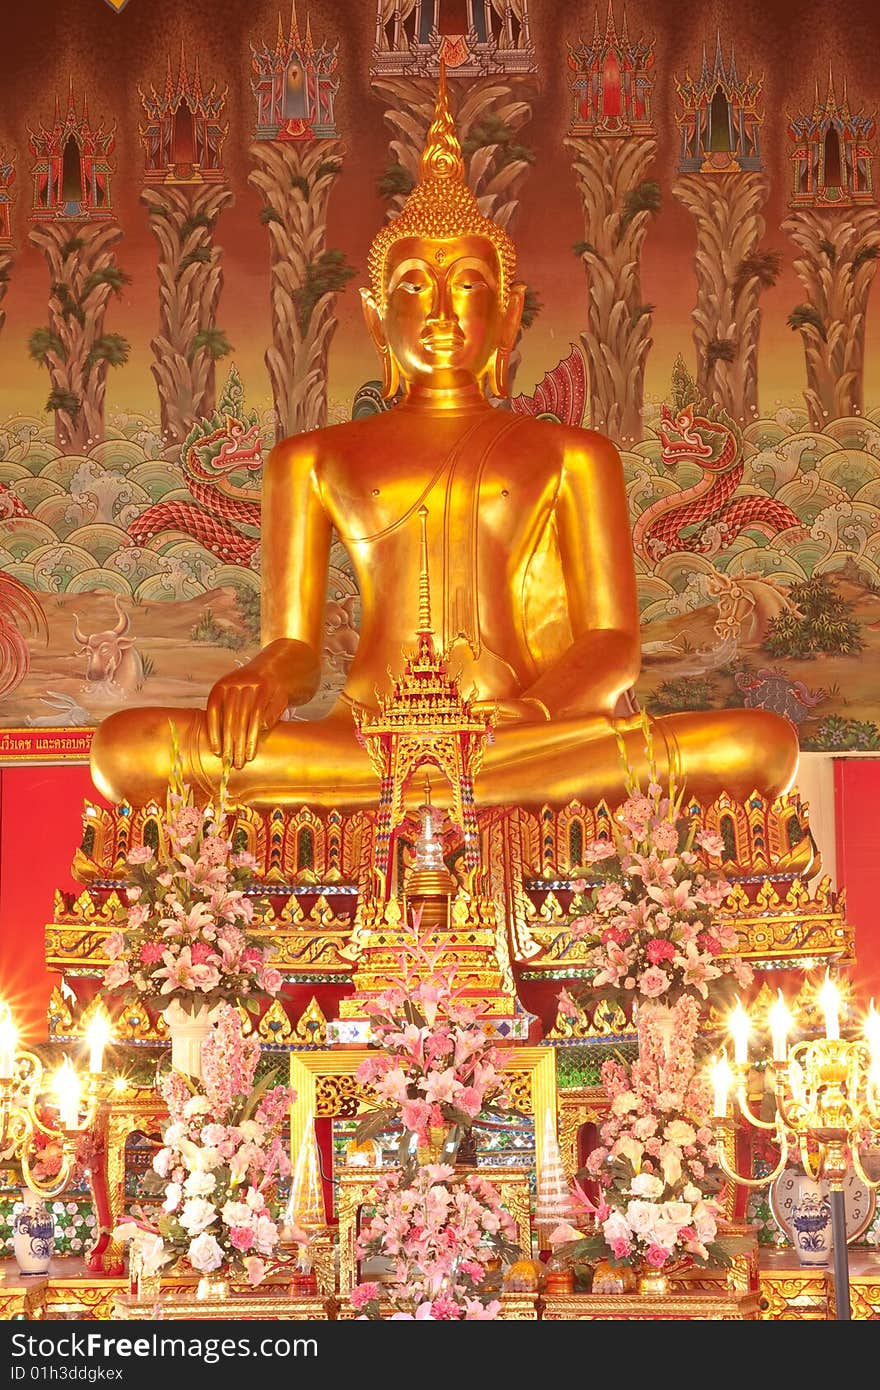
x,y
305,1211
554,1200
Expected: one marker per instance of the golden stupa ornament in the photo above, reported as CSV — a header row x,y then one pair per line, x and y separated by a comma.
x,y
441,206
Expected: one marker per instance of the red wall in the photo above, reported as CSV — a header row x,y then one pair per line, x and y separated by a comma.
x,y
40,829
857,810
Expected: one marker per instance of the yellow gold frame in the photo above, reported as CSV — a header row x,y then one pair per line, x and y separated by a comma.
x,y
327,1087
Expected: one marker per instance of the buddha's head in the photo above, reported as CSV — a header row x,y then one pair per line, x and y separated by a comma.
x,y
443,308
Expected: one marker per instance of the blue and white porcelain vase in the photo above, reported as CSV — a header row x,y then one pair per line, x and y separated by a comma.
x,y
33,1234
811,1224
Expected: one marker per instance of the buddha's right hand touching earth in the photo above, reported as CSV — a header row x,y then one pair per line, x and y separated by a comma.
x,y
252,698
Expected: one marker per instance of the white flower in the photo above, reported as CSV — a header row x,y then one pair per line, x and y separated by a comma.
x,y
250,1129
152,1253
198,1105
205,1254
704,1222
237,1214
163,1162
664,1233
630,1148
679,1132
624,1102
265,1235
197,1215
174,1133
173,1196
255,1199
199,1184
616,1227
642,1217
691,1194
646,1185
677,1212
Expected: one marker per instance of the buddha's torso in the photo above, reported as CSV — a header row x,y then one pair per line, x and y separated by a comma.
x,y
488,479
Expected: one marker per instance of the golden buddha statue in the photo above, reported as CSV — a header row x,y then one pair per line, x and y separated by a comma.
x,y
530,559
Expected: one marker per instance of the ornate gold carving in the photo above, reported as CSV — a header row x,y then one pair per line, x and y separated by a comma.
x,y
133,1024
275,1026
58,1015
311,1030
700,1307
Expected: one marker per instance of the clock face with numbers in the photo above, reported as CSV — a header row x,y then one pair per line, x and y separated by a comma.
x,y
860,1202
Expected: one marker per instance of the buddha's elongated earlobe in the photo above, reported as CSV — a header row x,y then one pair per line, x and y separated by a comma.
x,y
390,369
390,374
498,372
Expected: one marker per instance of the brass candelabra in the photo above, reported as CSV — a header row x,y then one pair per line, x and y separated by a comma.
x,y
30,1099
827,1105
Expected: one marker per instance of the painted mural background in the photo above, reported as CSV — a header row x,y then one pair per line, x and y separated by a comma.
x,y
187,193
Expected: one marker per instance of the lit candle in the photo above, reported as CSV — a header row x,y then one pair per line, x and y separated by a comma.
x,y
721,1079
739,1027
872,1036
98,1035
8,1040
780,1022
67,1093
829,1000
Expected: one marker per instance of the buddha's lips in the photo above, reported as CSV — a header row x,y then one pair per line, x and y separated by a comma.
x,y
442,339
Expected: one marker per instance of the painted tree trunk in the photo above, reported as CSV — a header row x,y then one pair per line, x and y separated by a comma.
x,y
75,253
182,218
836,267
493,176
618,334
295,180
6,262
727,316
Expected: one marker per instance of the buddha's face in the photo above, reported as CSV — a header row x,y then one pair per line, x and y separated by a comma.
x,y
443,320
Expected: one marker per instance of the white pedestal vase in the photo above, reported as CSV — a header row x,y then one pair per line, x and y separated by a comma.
x,y
188,1032
33,1234
811,1223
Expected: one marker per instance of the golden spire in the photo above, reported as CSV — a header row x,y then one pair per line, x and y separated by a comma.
x,y
441,157
441,207
424,628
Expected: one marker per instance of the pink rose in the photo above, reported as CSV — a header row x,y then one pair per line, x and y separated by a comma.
x,y
599,849
653,982
620,1248
116,975
656,1256
140,855
270,979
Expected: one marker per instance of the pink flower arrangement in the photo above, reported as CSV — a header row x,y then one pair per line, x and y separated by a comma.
x,y
437,1067
656,1164
441,1237
186,935
222,1156
650,917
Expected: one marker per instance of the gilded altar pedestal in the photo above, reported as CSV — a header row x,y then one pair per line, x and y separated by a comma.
x,y
182,1305
724,1306
515,1307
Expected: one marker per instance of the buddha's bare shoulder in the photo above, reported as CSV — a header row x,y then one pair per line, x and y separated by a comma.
x,y
573,446
316,447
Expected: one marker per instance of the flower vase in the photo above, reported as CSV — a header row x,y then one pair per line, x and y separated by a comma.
x,y
33,1234
188,1032
430,1149
811,1223
653,1281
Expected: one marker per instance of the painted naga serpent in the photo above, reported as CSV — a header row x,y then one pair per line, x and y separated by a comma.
x,y
220,509
707,516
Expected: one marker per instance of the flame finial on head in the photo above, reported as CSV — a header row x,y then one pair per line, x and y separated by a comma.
x,y
441,206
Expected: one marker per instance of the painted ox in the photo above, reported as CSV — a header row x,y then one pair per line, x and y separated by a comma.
x,y
112,663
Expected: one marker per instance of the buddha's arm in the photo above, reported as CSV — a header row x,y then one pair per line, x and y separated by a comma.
x,y
592,522
295,557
